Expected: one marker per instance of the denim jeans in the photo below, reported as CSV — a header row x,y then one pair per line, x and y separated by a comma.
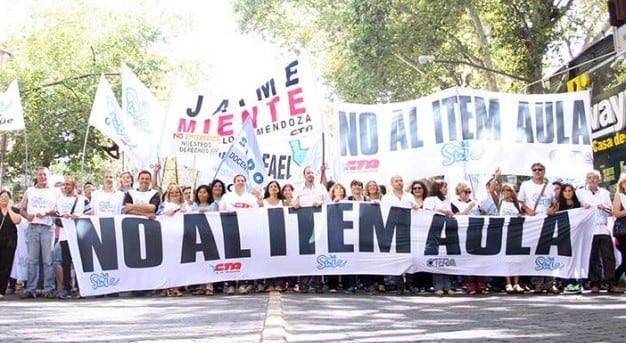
x,y
40,237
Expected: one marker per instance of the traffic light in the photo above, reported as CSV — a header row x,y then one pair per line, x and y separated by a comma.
x,y
617,12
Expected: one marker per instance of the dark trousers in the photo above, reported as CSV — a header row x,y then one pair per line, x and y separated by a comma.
x,y
601,260
66,264
621,246
7,253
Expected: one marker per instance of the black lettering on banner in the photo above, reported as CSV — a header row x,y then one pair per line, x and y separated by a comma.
x,y
579,124
371,221
563,241
466,117
514,233
193,225
434,239
487,121
524,129
89,242
335,226
132,245
493,243
278,239
291,70
306,228
232,236
545,122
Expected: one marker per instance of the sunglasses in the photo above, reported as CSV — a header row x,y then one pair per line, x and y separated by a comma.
x,y
417,188
467,192
537,169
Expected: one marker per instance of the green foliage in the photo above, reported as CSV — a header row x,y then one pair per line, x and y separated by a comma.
x,y
371,48
58,59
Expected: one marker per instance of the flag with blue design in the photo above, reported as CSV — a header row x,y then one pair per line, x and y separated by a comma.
x,y
11,112
244,156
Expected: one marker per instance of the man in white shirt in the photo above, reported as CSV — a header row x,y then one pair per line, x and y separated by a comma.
x,y
311,194
398,197
231,201
602,258
38,207
144,201
239,198
537,197
107,201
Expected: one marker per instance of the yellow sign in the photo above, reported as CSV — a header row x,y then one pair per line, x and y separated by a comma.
x,y
579,83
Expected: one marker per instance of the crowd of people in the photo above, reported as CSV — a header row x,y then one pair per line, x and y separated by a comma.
x,y
49,262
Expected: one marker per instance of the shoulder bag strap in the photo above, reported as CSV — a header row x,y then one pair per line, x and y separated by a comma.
x,y
543,189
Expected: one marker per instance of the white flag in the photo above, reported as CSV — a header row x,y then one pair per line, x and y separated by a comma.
x,y
106,116
244,156
146,112
11,112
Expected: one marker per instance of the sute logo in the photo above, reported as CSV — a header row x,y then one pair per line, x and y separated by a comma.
x,y
362,165
228,267
441,262
547,263
102,280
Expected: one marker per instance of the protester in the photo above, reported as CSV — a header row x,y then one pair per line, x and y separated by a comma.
x,y
8,238
69,206
602,258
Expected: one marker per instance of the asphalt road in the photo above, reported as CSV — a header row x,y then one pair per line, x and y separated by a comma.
x,y
289,317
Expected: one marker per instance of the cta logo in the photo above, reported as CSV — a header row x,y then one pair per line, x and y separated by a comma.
x,y
441,262
228,267
102,280
548,263
330,261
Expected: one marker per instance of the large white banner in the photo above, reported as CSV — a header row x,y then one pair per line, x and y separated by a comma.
x,y
284,112
459,131
122,253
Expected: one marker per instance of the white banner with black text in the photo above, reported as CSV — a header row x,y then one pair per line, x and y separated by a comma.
x,y
124,253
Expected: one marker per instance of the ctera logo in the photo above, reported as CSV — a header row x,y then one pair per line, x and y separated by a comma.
x,y
460,152
547,263
102,280
330,261
441,262
228,267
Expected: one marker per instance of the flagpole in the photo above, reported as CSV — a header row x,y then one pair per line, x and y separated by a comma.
x,y
82,160
26,183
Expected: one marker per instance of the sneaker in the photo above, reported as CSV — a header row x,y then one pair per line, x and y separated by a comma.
x,y
350,290
63,295
439,292
509,288
259,287
28,295
242,290
616,289
553,290
1,297
451,292
50,295
518,289
595,289
381,288
230,290
332,290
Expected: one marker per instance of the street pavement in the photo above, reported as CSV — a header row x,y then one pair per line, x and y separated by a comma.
x,y
337,317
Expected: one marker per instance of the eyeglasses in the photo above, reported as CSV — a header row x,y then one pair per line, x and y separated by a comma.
x,y
417,188
537,169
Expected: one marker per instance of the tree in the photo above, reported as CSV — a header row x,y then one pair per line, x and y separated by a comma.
x,y
58,59
371,49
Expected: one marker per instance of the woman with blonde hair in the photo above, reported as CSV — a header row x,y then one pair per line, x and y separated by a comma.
x,y
372,191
